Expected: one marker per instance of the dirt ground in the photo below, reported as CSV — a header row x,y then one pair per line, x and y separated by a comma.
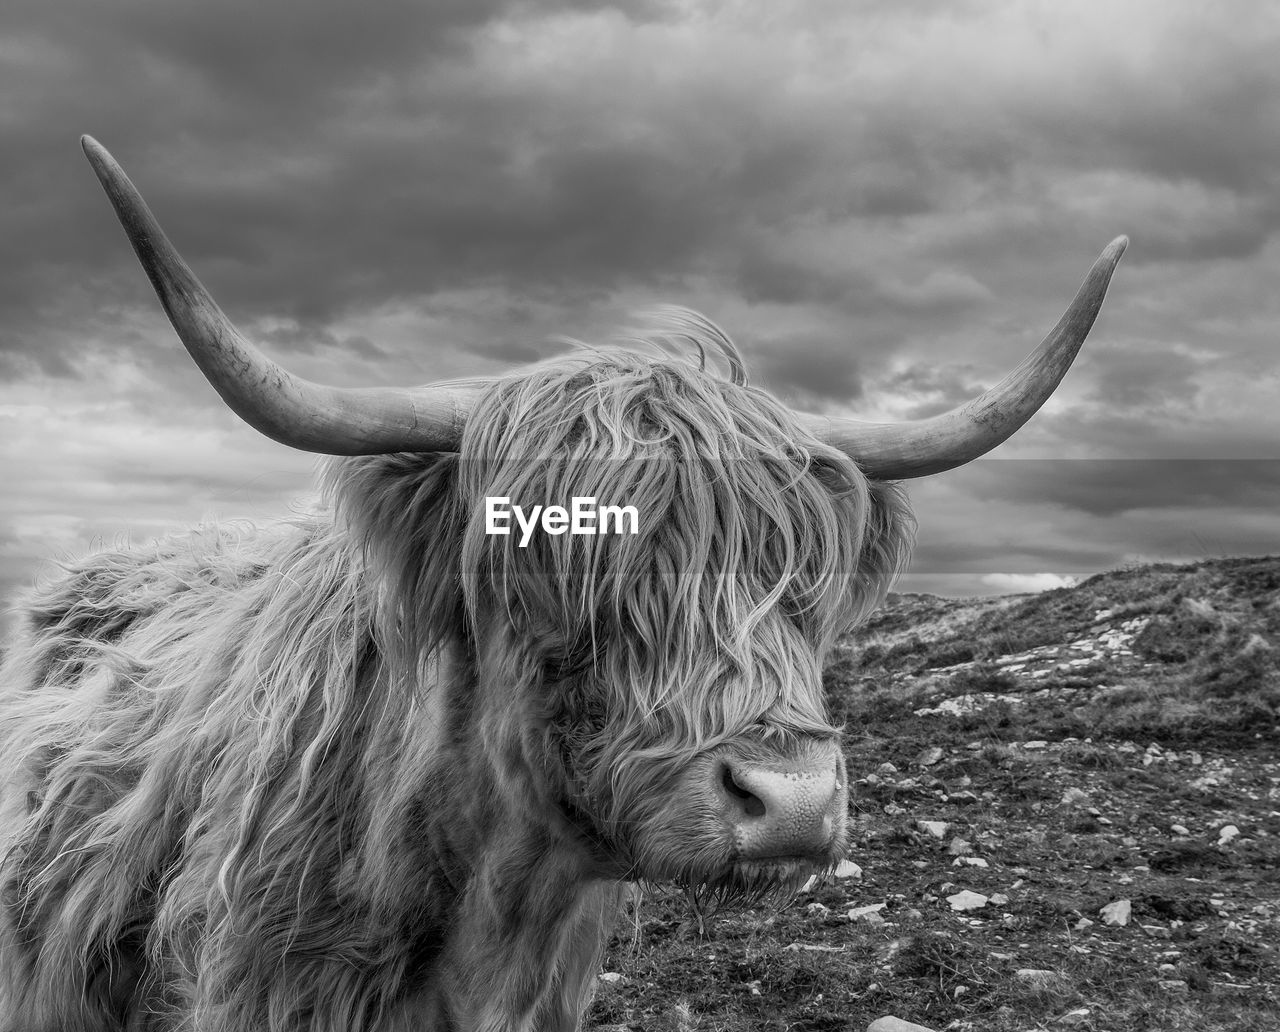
x,y
1066,815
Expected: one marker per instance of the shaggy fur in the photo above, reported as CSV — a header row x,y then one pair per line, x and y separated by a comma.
x,y
375,769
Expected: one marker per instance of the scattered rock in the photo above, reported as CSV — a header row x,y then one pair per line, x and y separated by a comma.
x,y
966,900
959,847
1075,797
848,869
999,899
869,914
1037,978
1035,744
891,1024
970,861
928,757
1255,643
1199,607
806,947
817,910
1226,833
938,829
1179,829
610,977
1117,912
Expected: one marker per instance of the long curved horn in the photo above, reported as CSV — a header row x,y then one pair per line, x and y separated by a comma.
x,y
293,411
900,451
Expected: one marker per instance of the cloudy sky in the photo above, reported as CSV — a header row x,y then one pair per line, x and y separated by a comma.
x,y
886,203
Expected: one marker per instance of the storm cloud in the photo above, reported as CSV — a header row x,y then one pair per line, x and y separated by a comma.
x,y
886,205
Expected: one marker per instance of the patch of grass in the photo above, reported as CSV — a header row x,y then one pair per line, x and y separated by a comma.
x,y
985,677
1176,638
1091,756
943,963
951,652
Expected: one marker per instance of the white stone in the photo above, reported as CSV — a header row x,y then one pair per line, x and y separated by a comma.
x,y
848,869
966,900
890,1024
928,757
938,829
1117,912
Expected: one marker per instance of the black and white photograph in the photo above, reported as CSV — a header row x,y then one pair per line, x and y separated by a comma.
x,y
639,516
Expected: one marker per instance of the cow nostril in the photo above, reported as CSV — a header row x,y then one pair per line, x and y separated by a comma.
x,y
752,804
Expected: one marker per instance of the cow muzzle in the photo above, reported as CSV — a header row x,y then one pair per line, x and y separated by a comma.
x,y
784,807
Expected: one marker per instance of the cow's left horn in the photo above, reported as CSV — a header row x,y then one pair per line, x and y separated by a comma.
x,y
900,451
296,412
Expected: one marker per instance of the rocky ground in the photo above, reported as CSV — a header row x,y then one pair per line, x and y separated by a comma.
x,y
1066,814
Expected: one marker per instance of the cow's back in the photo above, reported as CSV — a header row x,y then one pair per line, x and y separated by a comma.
x,y
124,696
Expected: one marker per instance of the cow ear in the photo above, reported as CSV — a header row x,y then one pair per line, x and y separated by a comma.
x,y
404,510
889,534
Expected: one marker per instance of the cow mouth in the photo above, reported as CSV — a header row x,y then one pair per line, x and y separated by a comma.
x,y
746,882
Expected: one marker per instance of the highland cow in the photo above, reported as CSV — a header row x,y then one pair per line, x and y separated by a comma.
x,y
378,769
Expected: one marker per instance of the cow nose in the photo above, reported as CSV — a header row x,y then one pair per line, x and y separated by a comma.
x,y
782,810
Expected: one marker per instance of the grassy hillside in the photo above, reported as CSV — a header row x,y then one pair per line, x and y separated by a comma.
x,y
1069,757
